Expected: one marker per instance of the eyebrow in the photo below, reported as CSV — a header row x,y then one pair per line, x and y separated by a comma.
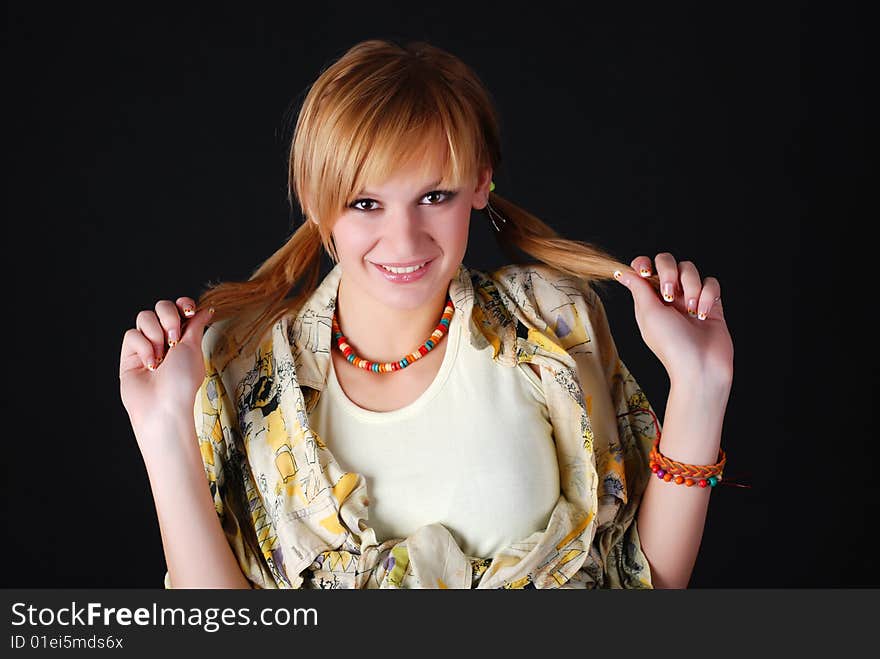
x,y
367,193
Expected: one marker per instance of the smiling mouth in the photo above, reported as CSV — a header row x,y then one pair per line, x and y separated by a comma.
x,y
404,269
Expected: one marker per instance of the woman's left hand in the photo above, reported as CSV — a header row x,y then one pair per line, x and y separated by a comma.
x,y
687,333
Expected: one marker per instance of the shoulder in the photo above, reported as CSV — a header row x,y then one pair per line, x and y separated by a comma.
x,y
542,288
560,306
223,345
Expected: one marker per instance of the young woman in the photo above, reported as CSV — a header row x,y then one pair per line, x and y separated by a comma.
x,y
407,421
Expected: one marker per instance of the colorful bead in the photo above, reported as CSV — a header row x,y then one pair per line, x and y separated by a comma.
x,y
683,473
680,479
389,367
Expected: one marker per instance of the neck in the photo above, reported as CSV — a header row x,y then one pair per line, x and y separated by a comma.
x,y
384,334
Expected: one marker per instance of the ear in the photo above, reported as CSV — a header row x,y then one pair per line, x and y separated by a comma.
x,y
481,193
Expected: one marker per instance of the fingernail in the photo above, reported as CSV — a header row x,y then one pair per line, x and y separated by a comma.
x,y
151,364
644,272
172,338
618,275
211,310
667,292
188,311
692,307
702,315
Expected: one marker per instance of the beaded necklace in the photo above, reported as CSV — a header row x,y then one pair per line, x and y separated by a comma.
x,y
387,367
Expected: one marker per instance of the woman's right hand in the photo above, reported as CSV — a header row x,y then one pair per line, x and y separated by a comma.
x,y
162,366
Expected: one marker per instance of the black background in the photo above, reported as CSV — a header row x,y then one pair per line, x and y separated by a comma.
x,y
147,157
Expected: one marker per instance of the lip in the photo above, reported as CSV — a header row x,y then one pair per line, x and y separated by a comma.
x,y
403,265
406,277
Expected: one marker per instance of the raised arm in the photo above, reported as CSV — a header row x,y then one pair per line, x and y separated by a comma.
x,y
688,333
162,365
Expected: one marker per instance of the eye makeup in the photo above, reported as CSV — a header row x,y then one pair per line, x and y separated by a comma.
x,y
448,195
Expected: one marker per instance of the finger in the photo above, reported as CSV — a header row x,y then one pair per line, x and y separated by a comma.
x,y
644,290
148,323
137,352
642,265
691,285
187,306
667,271
195,326
169,319
710,299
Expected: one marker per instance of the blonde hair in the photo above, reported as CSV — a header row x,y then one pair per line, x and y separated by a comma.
x,y
369,113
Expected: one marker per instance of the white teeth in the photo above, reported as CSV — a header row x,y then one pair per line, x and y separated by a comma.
x,y
399,271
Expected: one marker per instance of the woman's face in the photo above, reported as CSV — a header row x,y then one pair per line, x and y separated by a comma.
x,y
406,221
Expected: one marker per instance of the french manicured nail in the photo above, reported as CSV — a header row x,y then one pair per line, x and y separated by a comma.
x,y
151,364
172,338
618,276
645,272
188,311
692,307
702,315
667,292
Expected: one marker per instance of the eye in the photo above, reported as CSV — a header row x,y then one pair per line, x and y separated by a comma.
x,y
355,203
447,194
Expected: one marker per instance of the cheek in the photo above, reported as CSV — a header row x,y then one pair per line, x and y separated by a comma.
x,y
454,233
352,239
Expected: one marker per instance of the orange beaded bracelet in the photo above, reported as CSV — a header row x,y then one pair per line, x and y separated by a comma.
x,y
683,473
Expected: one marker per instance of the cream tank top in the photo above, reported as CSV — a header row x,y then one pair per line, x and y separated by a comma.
x,y
474,452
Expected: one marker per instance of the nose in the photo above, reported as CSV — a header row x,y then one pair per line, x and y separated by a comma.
x,y
405,234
